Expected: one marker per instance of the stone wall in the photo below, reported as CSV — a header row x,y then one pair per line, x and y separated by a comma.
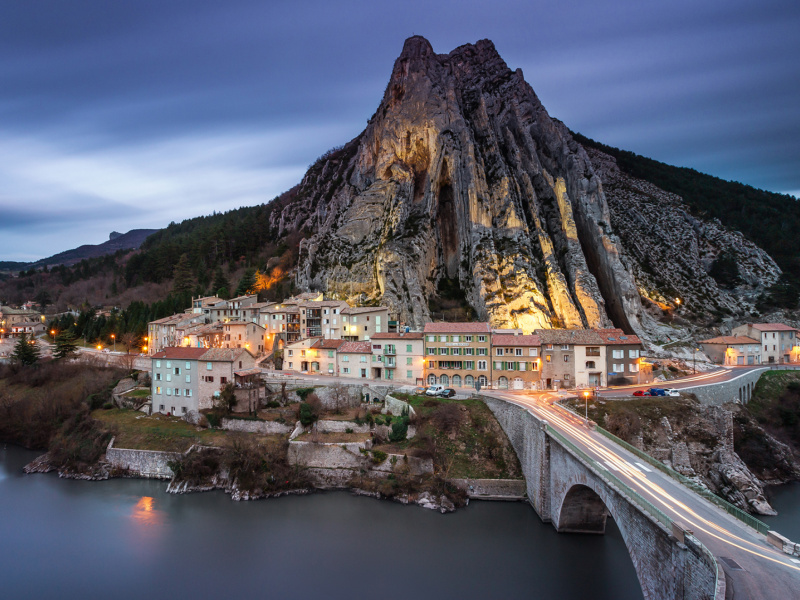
x,y
330,426
492,489
261,427
396,407
738,390
144,463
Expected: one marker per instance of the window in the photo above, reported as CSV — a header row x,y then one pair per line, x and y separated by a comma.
x,y
498,351
533,352
633,354
592,351
590,364
169,364
467,338
518,352
291,352
469,365
291,365
481,351
158,391
161,408
408,348
188,379
223,380
169,376
345,358
210,379
619,367
208,366
469,351
618,353
346,370
169,391
431,338
565,346
330,353
158,376
363,359
481,338
431,351
443,351
456,338
481,365
482,380
188,366
409,374
183,410
548,347
566,358
158,364
548,358
566,376
456,351
634,367
409,360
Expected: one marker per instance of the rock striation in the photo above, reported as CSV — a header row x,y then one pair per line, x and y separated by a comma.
x,y
461,175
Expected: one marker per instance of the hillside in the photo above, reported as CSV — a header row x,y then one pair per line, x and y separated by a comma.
x,y
463,192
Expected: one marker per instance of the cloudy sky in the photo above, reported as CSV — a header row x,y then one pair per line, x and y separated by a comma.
x,y
129,114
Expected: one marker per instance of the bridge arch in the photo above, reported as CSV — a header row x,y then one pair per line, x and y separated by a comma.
x,y
582,511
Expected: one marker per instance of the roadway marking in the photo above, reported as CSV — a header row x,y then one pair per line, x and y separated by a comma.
x,y
641,466
601,466
633,465
612,465
794,560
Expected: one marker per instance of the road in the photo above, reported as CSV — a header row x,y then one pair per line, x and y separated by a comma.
x,y
765,572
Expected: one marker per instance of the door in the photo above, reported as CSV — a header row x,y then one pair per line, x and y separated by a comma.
x,y
518,384
364,373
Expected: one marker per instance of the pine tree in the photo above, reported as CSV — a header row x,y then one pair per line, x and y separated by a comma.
x,y
183,278
220,285
65,345
247,283
25,351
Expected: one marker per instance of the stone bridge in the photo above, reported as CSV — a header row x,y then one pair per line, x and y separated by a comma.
x,y
576,496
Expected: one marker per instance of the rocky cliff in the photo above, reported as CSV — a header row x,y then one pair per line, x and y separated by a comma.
x,y
462,175
462,178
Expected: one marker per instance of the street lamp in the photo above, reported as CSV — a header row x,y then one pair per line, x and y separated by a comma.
x,y
586,399
694,359
114,338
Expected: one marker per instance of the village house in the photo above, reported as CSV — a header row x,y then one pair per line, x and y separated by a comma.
x,y
778,343
572,358
624,361
353,359
244,334
12,316
457,354
398,357
362,322
298,356
324,354
203,335
185,379
281,320
169,331
322,318
202,305
29,328
732,350
515,361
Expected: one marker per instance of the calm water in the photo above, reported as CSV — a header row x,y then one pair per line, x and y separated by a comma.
x,y
129,539
786,500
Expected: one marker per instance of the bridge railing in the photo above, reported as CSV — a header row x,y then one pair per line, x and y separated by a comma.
x,y
638,499
693,485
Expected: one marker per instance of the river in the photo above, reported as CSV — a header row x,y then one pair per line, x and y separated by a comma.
x,y
786,500
127,538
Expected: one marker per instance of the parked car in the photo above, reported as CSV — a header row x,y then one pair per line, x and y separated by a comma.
x,y
434,390
672,392
641,393
447,393
419,391
657,392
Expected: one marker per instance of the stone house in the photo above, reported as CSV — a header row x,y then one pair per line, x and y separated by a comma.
x,y
12,316
361,323
515,361
572,358
282,321
398,357
323,353
732,350
624,359
185,379
779,343
322,318
233,309
29,328
353,359
457,354
202,305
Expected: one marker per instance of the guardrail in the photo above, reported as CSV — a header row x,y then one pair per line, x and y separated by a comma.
x,y
637,498
696,487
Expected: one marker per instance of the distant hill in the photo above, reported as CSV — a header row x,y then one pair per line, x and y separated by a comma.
x,y
11,265
125,241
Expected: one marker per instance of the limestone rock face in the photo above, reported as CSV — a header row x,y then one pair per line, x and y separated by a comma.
x,y
462,175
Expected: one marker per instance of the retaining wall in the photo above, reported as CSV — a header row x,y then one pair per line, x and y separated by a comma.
x,y
253,426
145,463
492,489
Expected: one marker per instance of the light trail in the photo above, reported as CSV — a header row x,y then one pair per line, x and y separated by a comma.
x,y
573,426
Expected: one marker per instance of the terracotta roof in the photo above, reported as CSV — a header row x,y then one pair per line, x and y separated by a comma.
x,y
581,337
357,310
411,335
327,344
181,353
505,339
730,339
356,348
246,372
618,337
456,328
772,327
178,318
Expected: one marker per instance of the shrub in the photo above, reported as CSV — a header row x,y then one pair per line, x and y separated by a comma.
x,y
306,414
303,393
108,405
214,419
625,424
399,431
378,456
348,430
447,417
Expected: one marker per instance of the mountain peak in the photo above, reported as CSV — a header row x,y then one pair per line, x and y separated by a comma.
x,y
416,47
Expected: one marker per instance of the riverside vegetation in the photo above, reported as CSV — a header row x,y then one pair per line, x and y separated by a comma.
x,y
65,408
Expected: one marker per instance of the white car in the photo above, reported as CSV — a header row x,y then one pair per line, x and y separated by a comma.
x,y
434,390
671,392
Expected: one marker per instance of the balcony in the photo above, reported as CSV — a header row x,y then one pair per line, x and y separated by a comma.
x,y
390,363
389,351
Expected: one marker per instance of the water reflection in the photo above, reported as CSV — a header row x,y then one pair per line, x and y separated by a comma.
x,y
145,514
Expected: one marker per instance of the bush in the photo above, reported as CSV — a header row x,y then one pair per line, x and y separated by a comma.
x,y
306,415
214,419
348,430
447,417
378,456
399,431
625,424
273,404
303,393
108,405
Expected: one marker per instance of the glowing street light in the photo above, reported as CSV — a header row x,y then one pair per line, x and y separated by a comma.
x,y
678,301
99,347
586,399
114,337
